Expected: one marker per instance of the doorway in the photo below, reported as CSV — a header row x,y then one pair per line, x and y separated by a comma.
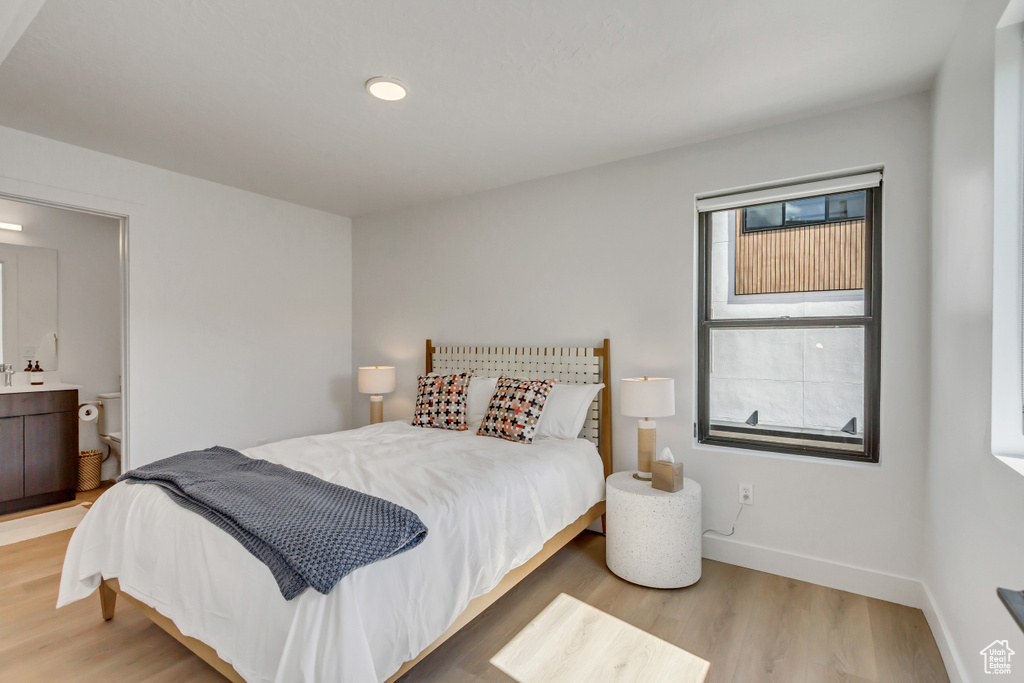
x,y
63,306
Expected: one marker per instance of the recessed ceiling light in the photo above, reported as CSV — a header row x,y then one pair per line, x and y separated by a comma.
x,y
384,88
10,226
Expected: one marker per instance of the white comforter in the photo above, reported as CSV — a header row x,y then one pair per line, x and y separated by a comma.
x,y
489,506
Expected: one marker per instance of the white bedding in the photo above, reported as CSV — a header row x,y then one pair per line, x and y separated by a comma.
x,y
489,506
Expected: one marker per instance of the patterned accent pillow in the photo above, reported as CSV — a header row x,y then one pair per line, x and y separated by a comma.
x,y
515,409
441,401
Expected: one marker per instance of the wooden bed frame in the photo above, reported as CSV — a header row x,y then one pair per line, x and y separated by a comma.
x,y
571,365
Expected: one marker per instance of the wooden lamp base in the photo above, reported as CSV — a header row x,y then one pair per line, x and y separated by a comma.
x,y
376,409
646,440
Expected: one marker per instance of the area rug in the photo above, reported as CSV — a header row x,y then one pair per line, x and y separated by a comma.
x,y
33,526
572,641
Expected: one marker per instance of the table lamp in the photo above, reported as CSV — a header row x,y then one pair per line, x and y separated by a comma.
x,y
647,397
376,380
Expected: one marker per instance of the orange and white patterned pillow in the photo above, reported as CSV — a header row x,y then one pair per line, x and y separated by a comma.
x,y
441,401
515,409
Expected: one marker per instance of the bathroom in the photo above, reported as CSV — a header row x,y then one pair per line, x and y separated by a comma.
x,y
67,316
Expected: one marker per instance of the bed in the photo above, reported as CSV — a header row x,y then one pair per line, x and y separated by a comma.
x,y
495,511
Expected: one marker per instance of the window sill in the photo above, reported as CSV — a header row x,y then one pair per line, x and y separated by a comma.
x,y
810,460
1014,461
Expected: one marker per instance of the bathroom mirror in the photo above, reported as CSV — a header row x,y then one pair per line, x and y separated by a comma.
x,y
28,295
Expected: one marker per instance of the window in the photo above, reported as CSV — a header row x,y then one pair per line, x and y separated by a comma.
x,y
810,211
788,319
1007,254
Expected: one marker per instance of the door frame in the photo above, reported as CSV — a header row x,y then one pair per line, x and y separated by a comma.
x,y
124,221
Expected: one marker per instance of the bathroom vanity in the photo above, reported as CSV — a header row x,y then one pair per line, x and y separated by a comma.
x,y
38,445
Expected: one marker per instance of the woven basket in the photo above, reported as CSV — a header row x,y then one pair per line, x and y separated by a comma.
x,y
89,470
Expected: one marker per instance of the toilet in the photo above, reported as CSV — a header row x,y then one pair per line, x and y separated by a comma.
x,y
109,421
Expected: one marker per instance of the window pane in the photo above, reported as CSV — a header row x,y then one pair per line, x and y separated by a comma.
x,y
763,217
815,270
849,206
805,384
805,211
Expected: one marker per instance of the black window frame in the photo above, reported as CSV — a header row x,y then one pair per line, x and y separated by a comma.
x,y
799,224
870,321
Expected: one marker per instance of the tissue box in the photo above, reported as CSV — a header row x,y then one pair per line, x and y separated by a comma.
x,y
667,476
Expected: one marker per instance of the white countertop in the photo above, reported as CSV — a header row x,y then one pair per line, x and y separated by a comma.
x,y
47,386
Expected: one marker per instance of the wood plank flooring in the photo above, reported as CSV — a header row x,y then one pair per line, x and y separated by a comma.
x,y
751,626
593,646
80,497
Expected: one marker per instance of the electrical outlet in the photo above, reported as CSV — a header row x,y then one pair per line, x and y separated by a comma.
x,y
746,493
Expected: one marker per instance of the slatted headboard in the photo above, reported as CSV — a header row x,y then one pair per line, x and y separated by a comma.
x,y
568,365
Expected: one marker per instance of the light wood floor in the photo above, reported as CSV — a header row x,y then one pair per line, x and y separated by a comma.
x,y
80,497
751,626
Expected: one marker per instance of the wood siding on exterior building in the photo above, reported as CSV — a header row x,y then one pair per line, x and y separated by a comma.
x,y
810,258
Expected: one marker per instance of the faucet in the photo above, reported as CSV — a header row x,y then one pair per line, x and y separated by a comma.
x,y
8,374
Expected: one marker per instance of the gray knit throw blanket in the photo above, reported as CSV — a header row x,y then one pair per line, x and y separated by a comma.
x,y
308,531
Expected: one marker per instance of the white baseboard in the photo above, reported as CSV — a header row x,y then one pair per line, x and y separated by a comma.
x,y
954,667
873,584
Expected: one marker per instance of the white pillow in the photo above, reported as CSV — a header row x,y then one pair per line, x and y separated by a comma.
x,y
478,400
566,410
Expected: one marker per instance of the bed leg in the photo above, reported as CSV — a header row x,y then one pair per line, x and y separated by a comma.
x,y
604,524
108,598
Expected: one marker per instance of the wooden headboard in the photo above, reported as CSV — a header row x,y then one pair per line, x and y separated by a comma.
x,y
568,365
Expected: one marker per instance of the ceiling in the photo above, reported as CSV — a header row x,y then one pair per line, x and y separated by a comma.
x,y
268,95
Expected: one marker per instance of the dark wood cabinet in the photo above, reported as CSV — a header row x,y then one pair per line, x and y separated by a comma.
x,y
50,452
38,448
12,459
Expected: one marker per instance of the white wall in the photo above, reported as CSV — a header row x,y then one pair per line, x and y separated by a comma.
x,y
609,252
975,502
88,298
240,305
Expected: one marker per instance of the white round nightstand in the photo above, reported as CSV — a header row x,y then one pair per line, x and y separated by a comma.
x,y
653,537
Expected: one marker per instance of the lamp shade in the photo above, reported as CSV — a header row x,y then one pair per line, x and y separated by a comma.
x,y
647,396
377,379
